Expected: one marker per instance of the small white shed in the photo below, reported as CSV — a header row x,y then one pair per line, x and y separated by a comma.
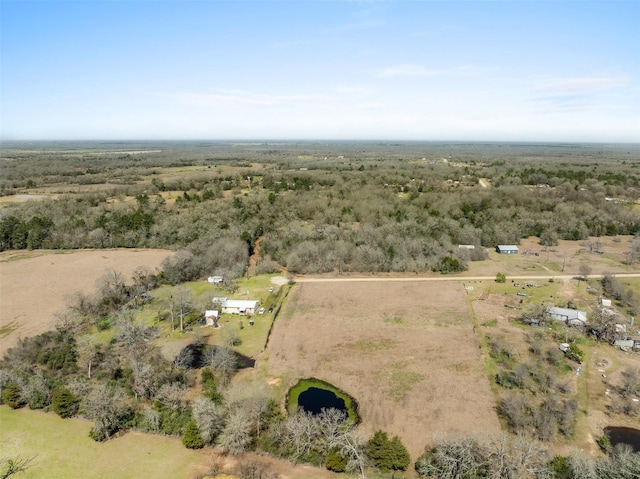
x,y
605,303
211,317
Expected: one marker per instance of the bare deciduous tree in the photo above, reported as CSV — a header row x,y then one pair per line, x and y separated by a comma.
x,y
172,396
516,457
236,434
457,458
630,382
10,466
106,406
622,463
208,417
180,303
223,360
112,289
585,271
351,446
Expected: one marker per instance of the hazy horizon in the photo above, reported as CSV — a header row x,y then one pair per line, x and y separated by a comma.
x,y
561,71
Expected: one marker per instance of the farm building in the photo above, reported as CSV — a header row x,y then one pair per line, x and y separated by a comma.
x,y
605,303
573,317
211,317
624,343
507,249
240,306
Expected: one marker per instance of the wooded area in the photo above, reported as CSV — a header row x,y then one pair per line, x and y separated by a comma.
x,y
318,207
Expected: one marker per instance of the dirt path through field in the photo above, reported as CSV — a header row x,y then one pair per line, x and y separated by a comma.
x,y
33,285
253,259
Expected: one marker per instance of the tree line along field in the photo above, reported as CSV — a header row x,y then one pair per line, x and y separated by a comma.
x,y
428,361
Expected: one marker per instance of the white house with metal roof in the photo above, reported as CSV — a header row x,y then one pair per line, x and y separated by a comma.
x,y
240,306
507,249
573,317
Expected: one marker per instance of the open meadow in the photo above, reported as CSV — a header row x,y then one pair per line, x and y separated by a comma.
x,y
34,284
405,351
62,449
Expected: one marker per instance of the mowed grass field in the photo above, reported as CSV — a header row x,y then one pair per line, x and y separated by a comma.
x,y
406,352
62,449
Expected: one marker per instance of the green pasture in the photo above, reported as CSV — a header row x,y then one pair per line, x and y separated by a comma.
x,y
253,337
62,449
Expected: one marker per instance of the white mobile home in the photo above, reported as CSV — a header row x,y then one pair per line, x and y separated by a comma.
x,y
573,317
507,249
240,306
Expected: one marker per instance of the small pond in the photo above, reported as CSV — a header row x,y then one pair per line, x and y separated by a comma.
x,y
313,395
314,400
625,435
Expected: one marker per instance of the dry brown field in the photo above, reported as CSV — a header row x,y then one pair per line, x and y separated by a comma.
x,y
563,259
407,353
34,285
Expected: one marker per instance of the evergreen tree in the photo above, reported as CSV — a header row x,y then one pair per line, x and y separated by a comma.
x,y
335,461
64,402
12,396
387,454
401,457
191,436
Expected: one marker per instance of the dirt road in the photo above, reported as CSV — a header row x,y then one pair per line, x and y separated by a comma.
x,y
307,279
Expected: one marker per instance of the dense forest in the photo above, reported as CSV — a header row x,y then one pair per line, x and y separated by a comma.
x,y
304,208
320,207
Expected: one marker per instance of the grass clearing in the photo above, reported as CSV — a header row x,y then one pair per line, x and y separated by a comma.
x,y
62,449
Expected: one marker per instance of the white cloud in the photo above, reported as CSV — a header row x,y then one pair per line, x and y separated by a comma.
x,y
575,94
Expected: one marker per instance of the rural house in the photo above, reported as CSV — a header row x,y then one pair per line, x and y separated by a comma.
x,y
507,249
240,306
572,317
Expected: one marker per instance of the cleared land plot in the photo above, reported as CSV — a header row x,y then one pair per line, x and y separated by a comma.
x,y
33,286
405,351
563,259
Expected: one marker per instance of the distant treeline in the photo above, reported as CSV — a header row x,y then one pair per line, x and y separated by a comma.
x,y
317,211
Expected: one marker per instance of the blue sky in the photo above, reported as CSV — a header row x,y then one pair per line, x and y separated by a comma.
x,y
510,70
